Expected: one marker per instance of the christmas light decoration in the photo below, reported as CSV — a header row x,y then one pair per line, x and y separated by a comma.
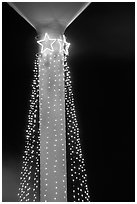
x,y
75,160
53,160
29,179
46,43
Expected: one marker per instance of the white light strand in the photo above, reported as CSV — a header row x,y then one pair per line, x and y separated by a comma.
x,y
78,172
29,179
49,66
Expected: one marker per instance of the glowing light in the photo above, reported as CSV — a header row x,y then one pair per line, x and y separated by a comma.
x,y
29,179
77,165
46,43
51,121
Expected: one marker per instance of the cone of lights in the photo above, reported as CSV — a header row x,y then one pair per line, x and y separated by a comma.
x,y
53,161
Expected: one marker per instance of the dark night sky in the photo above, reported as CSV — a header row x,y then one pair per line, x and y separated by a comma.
x,y
102,66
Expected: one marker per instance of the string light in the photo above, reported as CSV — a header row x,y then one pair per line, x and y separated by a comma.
x,y
52,120
29,179
79,188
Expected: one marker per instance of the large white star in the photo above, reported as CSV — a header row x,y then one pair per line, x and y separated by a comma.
x,y
46,43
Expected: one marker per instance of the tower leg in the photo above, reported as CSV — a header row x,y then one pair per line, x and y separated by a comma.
x,y
52,129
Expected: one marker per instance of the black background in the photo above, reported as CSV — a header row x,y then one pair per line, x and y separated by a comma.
x,y
101,61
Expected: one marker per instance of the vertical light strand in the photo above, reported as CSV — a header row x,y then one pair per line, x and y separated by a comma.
x,y
76,165
29,179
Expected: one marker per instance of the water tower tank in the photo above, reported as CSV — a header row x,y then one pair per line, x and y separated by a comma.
x,y
55,16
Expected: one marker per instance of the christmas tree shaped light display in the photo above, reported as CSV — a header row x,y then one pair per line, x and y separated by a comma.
x,y
53,159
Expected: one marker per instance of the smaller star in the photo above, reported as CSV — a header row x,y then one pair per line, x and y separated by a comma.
x,y
66,45
46,43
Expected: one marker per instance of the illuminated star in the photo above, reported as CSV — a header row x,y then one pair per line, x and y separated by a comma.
x,y
67,45
64,45
46,43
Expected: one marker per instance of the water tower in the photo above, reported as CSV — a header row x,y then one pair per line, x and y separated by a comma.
x,y
52,160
